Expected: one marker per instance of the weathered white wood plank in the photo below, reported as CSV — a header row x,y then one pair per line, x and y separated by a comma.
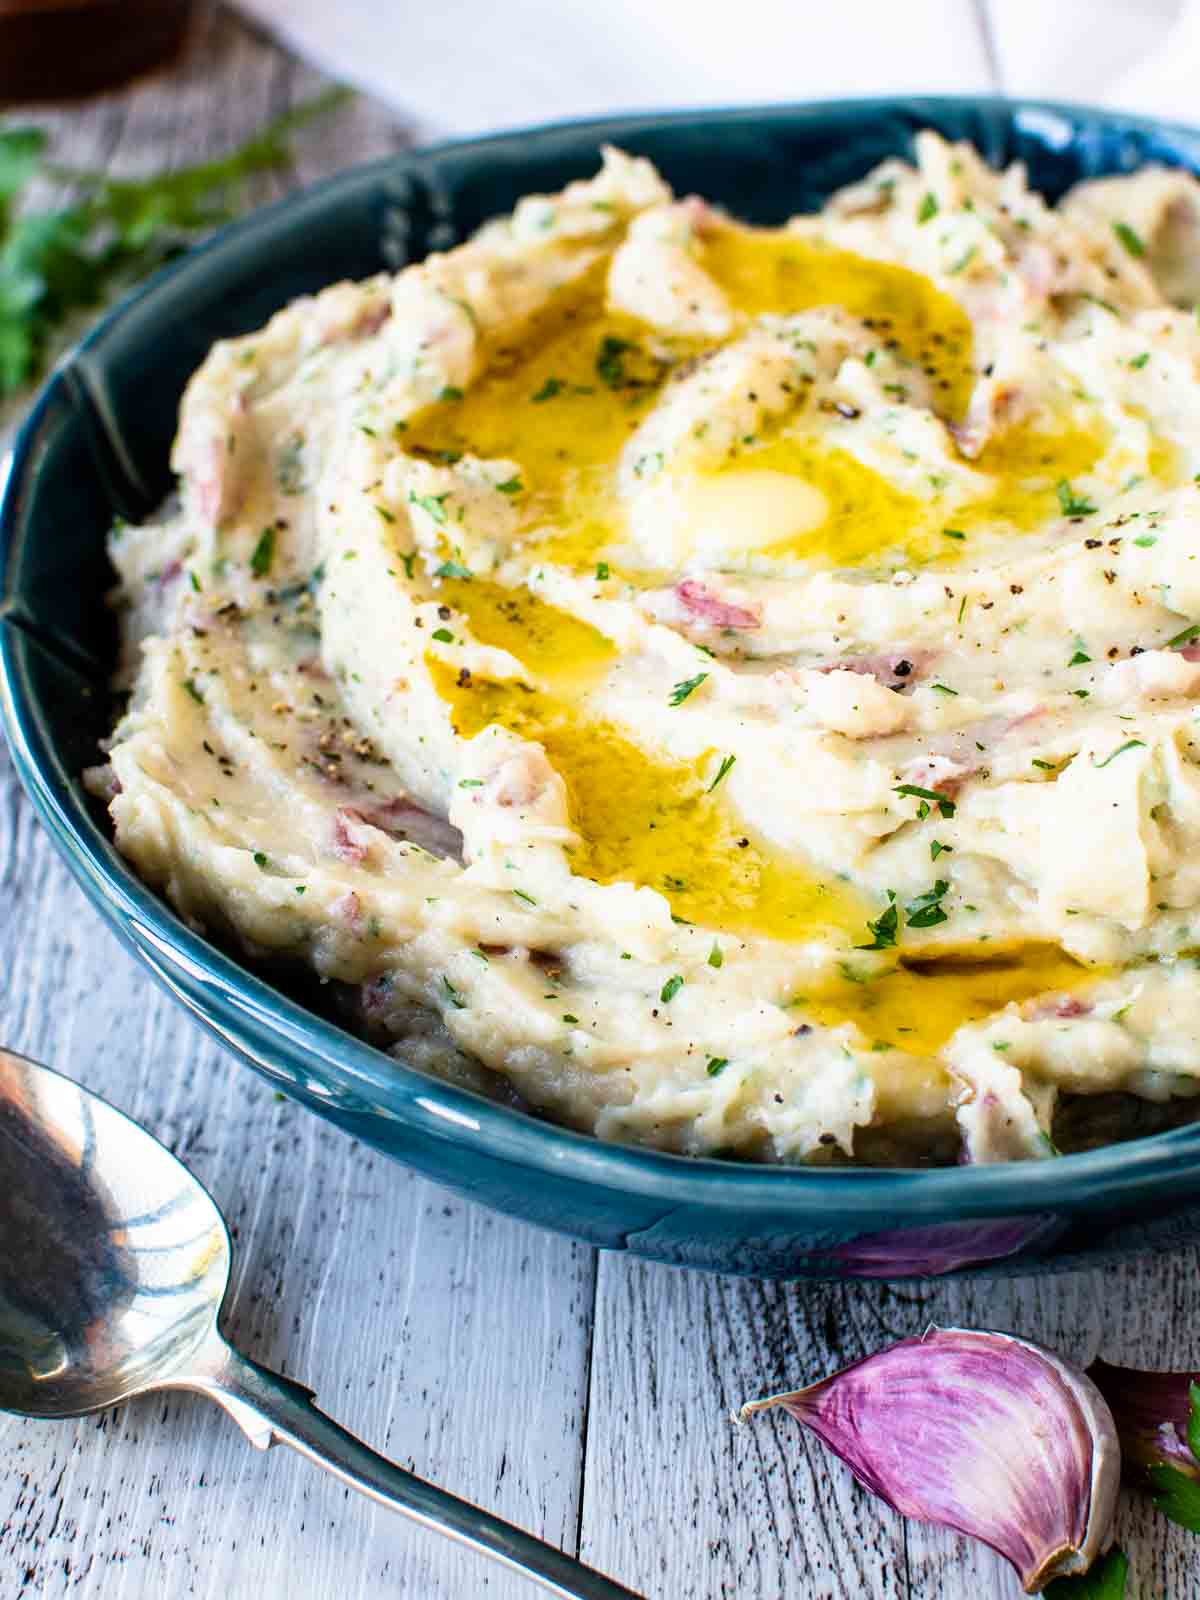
x,y
678,1499
452,1339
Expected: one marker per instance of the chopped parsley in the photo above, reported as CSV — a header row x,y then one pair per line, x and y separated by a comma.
x,y
601,571
884,927
688,686
450,393
443,635
511,486
928,207
716,1065
610,362
1186,637
1045,766
1140,361
715,956
926,910
190,685
670,989
468,783
1073,505
451,569
937,848
1129,239
567,1017
1130,744
1079,659
726,763
943,688
456,1000
928,797
953,533
384,512
528,898
264,553
261,861
433,505
549,389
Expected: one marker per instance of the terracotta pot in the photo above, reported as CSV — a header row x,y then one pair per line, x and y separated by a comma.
x,y
60,49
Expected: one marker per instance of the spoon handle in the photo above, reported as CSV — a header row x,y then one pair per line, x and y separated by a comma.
x,y
271,1409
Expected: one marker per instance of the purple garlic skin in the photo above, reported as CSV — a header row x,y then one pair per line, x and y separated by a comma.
x,y
982,1432
1152,1411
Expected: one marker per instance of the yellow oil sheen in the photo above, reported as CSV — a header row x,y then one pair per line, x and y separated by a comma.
x,y
918,1006
558,651
769,271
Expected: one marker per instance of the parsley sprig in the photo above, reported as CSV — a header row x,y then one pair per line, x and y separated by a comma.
x,y
58,260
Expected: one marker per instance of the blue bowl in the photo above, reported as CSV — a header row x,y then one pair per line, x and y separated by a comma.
x,y
96,444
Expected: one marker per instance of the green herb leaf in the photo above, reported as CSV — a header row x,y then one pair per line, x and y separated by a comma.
x,y
610,361
1140,361
1079,659
716,1065
511,486
601,571
926,910
1130,744
264,553
884,928
1129,239
937,848
190,685
1106,1580
260,861
1177,1496
726,763
549,389
953,533
456,999
1073,505
681,690
670,989
1186,637
432,504
946,807
450,393
528,898
443,635
451,569
715,956
928,207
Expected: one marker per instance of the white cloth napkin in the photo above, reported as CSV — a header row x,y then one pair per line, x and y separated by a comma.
x,y
469,66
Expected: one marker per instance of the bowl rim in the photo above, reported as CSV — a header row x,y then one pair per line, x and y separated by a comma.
x,y
236,995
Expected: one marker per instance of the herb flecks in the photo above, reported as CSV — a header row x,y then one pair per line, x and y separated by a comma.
x,y
928,798
1072,504
1130,744
686,687
926,910
264,553
885,927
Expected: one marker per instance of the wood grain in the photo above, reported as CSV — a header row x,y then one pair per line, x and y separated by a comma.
x,y
587,1399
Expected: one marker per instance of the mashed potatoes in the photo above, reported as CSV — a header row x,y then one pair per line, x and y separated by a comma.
x,y
735,685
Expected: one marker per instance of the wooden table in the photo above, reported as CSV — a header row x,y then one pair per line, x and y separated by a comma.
x,y
585,1395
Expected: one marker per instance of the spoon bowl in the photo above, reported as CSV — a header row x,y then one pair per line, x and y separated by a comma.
x,y
114,1261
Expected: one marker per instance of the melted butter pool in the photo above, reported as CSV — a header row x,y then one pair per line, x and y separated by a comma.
x,y
766,271
649,821
918,1006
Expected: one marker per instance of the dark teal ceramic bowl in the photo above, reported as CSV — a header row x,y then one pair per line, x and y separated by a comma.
x,y
96,444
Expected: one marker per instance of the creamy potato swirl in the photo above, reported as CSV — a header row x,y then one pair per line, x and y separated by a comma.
x,y
736,685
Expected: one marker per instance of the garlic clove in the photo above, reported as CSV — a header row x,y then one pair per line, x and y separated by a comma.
x,y
1157,1415
982,1432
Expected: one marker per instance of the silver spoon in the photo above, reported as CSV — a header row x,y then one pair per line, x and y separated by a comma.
x,y
113,1265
